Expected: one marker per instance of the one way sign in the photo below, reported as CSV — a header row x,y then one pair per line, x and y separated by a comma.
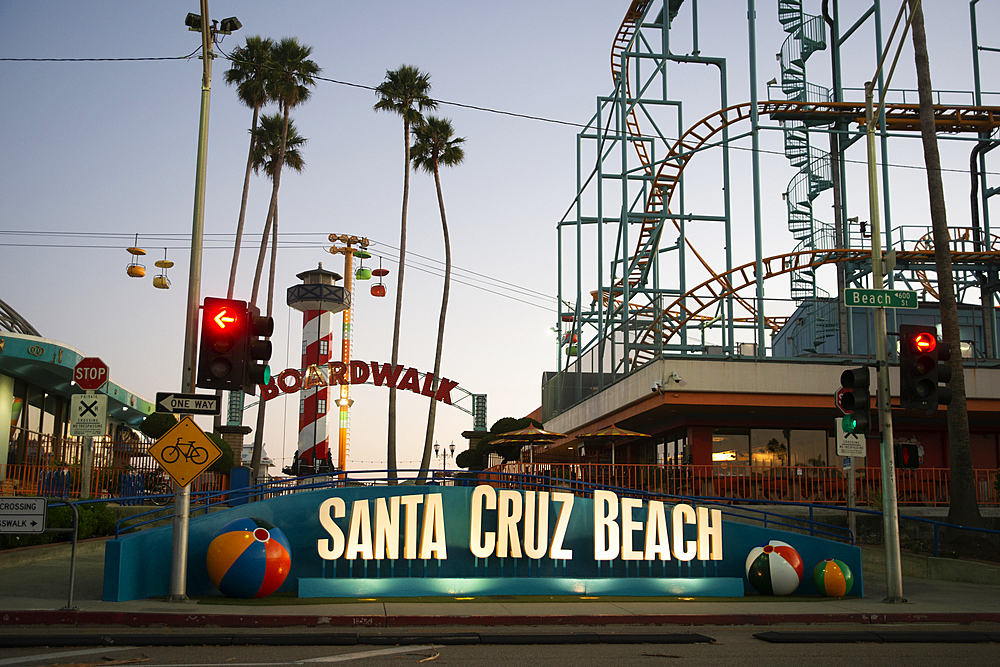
x,y
188,404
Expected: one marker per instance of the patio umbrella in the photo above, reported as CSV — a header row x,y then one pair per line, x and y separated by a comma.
x,y
530,435
612,434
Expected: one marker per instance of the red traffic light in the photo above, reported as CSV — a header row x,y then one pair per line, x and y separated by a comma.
x,y
224,316
924,342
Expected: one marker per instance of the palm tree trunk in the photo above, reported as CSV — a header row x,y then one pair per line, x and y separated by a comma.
x,y
963,509
243,205
270,226
390,449
425,461
258,438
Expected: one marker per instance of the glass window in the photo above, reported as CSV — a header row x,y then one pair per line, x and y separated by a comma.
x,y
321,406
324,347
809,448
730,447
302,406
769,447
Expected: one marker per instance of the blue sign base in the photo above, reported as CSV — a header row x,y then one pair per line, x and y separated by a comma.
x,y
458,587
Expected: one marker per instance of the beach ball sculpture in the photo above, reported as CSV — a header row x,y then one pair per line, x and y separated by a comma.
x,y
249,558
833,578
774,568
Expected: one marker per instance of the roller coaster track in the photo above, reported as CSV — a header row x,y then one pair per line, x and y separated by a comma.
x,y
668,173
959,236
678,313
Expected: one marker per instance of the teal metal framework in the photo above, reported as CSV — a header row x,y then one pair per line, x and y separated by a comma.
x,y
632,286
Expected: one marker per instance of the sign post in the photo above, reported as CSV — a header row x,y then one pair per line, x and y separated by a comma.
x,y
90,374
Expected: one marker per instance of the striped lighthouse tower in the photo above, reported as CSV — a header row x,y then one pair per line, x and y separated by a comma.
x,y
318,298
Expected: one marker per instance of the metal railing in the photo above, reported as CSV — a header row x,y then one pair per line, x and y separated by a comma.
x,y
737,483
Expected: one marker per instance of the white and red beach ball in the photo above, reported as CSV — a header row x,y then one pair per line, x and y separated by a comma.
x,y
774,568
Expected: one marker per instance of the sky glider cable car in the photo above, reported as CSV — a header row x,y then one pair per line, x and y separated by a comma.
x,y
380,273
363,273
134,268
161,281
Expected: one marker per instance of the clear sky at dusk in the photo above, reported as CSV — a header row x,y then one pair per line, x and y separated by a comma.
x,y
97,152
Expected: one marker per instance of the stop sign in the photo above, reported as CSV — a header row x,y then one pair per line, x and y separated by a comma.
x,y
839,394
90,373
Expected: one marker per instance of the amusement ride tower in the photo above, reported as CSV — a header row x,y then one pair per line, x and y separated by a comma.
x,y
318,298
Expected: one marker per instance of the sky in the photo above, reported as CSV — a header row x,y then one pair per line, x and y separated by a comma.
x,y
97,152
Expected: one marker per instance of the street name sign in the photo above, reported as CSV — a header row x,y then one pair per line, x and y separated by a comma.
x,y
188,404
849,444
22,515
880,298
88,414
185,451
90,373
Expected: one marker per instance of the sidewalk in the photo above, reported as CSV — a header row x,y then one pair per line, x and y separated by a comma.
x,y
34,594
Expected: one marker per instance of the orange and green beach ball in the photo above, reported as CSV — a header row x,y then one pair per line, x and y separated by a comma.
x,y
249,558
833,578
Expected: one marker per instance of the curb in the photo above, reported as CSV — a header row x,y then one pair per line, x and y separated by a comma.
x,y
71,618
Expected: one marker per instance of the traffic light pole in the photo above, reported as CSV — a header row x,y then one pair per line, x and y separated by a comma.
x,y
182,494
890,509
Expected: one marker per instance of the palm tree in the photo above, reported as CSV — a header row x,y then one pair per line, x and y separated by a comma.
x,y
436,145
404,92
248,73
963,510
268,146
291,75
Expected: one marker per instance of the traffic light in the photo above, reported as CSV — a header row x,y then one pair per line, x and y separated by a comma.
x,y
258,350
907,456
856,401
922,366
222,354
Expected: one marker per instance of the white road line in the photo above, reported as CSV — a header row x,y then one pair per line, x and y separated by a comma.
x,y
343,657
368,654
52,656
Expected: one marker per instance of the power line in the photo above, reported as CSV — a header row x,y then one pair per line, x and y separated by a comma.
x,y
431,266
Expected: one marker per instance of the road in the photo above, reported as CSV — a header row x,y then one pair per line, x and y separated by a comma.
x,y
733,645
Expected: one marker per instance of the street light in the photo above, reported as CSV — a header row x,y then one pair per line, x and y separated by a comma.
x,y
444,455
182,495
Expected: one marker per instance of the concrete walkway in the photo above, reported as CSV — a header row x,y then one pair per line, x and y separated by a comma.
x,y
34,594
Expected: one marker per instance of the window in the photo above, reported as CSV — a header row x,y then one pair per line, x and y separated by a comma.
x,y
324,347
320,406
730,447
302,406
769,447
809,448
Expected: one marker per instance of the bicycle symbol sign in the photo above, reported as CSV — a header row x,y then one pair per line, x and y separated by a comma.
x,y
185,451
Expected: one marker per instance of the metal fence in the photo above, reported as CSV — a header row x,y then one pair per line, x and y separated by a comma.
x,y
43,465
819,485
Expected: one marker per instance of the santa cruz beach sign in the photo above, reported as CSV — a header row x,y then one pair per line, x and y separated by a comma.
x,y
368,541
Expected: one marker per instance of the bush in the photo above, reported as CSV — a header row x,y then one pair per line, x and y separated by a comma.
x,y
224,463
96,520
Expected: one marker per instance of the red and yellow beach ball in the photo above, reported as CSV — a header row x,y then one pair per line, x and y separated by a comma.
x,y
249,558
774,568
833,578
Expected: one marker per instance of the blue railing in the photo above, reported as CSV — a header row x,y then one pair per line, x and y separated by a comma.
x,y
203,502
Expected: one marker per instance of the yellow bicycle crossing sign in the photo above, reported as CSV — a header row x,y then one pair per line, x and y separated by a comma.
x,y
185,451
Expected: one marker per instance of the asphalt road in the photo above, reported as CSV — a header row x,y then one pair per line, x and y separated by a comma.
x,y
728,646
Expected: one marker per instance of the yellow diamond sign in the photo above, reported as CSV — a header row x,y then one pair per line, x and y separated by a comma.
x,y
185,451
